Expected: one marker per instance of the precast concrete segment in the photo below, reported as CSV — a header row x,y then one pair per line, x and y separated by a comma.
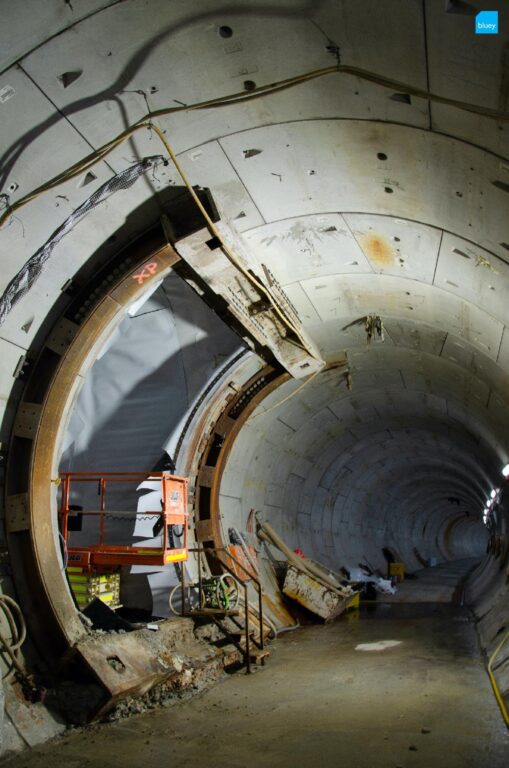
x,y
330,477
361,199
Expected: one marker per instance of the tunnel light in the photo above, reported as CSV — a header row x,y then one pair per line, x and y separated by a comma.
x,y
505,471
493,493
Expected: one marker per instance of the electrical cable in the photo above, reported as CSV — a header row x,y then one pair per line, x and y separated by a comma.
x,y
18,629
232,99
241,97
496,690
65,554
227,250
288,397
214,231
291,628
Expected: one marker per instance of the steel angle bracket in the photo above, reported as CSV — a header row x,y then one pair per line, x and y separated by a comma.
x,y
249,305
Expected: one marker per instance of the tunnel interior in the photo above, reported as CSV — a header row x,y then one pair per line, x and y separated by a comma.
x,y
267,242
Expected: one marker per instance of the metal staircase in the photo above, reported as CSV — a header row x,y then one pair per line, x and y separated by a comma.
x,y
227,605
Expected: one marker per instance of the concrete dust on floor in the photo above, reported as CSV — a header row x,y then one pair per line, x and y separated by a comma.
x,y
319,702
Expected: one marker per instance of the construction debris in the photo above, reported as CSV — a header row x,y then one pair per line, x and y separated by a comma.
x,y
308,582
320,590
307,591
366,575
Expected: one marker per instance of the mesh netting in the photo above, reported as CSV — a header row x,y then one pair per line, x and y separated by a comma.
x,y
26,277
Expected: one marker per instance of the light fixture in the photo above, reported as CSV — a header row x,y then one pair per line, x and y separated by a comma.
x,y
493,493
505,471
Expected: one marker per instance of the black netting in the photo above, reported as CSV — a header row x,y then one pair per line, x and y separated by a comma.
x,y
31,270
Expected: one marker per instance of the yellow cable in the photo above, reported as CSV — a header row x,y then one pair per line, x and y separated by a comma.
x,y
288,397
240,97
78,168
496,690
261,288
236,98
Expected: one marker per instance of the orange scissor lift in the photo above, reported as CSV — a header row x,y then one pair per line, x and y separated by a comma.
x,y
102,556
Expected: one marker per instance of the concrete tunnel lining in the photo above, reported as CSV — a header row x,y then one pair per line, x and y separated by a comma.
x,y
323,476
359,203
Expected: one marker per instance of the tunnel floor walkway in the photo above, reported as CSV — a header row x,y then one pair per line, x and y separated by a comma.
x,y
392,685
441,584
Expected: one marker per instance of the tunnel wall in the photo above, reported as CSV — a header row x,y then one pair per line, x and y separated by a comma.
x,y
487,592
397,204
344,474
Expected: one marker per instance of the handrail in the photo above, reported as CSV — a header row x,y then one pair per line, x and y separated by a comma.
x,y
213,551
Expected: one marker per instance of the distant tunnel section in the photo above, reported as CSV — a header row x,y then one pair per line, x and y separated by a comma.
x,y
378,473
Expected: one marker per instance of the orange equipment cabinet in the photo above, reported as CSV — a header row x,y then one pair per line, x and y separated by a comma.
x,y
173,511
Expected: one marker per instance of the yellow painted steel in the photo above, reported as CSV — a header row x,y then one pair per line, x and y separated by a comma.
x,y
175,558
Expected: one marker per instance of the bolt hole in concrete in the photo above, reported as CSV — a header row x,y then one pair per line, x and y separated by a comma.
x,y
116,664
225,31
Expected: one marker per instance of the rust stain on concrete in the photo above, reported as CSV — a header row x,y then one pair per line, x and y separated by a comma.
x,y
378,250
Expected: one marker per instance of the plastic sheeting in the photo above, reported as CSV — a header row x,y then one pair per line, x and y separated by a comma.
x,y
132,405
26,277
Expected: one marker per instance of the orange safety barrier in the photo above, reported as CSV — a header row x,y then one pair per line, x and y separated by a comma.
x,y
173,512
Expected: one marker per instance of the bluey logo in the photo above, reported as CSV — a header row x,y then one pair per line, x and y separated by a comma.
x,y
486,23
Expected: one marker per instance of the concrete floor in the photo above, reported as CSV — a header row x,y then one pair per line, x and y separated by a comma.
x,y
320,702
442,584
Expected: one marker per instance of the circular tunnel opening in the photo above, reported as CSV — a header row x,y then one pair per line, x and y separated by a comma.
x,y
351,477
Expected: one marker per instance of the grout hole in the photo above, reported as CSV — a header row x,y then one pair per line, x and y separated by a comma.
x,y
88,179
249,85
503,185
461,253
389,190
403,98
68,78
460,7
382,156
225,31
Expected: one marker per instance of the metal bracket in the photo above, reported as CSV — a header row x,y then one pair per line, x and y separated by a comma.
x,y
16,518
62,335
204,530
27,420
206,476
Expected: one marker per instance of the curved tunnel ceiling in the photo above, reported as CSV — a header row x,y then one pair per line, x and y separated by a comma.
x,y
363,198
